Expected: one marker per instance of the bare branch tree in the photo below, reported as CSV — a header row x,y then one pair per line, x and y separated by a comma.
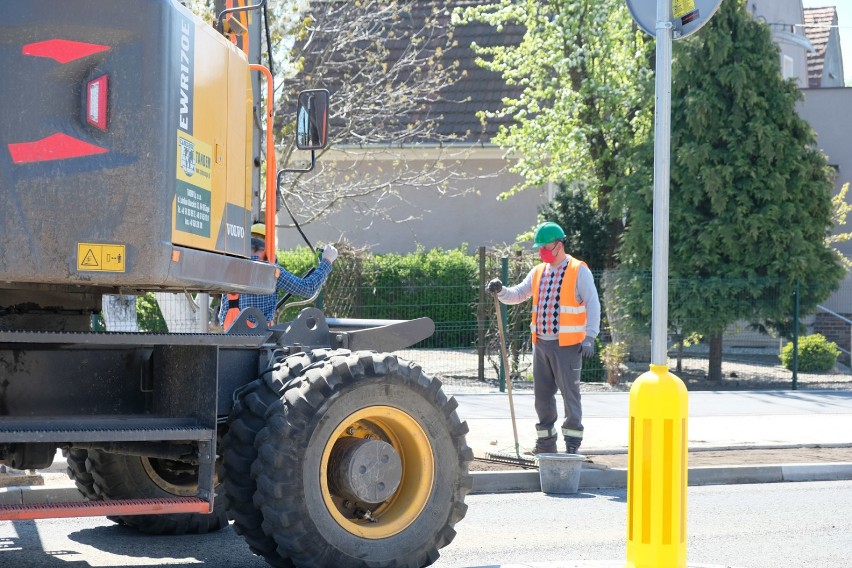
x,y
388,65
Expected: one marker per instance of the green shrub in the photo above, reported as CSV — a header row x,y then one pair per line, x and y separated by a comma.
x,y
816,354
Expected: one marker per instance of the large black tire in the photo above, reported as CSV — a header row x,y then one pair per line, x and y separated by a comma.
x,y
131,477
78,473
238,452
370,396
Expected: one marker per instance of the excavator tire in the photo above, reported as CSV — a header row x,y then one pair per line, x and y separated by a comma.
x,y
238,451
78,473
350,409
131,477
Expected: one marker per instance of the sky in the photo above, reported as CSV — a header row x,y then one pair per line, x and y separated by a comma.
x,y
844,21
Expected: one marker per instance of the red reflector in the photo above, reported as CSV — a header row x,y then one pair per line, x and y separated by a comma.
x,y
96,102
62,50
55,147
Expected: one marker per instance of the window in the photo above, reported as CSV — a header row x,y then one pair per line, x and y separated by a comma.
x,y
788,70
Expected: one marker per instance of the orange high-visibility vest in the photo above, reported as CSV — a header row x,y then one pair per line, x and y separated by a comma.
x,y
572,315
233,310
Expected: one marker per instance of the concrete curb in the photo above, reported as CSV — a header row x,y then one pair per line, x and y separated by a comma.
x,y
520,481
616,478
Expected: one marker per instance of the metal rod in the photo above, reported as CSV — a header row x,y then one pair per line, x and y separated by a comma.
x,y
502,338
662,155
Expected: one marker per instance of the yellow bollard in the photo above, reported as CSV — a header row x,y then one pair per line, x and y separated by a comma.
x,y
657,471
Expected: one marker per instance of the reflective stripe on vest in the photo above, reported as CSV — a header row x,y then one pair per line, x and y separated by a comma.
x,y
233,310
572,315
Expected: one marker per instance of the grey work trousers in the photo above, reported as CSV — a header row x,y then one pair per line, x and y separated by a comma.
x,y
557,368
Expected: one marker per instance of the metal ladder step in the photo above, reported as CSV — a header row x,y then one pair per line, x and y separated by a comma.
x,y
101,429
31,511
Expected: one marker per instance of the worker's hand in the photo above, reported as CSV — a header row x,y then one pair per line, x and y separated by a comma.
x,y
495,286
587,348
329,253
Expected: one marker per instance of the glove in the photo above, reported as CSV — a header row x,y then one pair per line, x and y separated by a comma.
x,y
329,253
494,286
587,348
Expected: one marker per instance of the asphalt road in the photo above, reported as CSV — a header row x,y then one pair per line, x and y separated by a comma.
x,y
798,525
745,526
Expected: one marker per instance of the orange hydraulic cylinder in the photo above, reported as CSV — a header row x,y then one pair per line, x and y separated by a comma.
x,y
657,471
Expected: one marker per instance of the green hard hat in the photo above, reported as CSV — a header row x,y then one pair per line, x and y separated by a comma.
x,y
546,233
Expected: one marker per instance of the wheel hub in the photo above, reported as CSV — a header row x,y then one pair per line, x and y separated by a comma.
x,y
364,471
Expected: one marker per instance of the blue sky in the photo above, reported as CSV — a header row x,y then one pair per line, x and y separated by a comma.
x,y
844,20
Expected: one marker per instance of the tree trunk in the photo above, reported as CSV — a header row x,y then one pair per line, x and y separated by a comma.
x,y
715,371
679,365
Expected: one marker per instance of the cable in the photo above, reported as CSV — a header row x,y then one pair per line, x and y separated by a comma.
x,y
268,37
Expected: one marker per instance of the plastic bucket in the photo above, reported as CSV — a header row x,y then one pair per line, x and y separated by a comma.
x,y
560,473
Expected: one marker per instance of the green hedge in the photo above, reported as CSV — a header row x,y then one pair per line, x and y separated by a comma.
x,y
435,283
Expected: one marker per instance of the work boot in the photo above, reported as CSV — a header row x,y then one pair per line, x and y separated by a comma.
x,y
572,445
544,446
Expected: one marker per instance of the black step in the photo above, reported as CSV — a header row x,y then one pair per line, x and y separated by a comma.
x,y
101,429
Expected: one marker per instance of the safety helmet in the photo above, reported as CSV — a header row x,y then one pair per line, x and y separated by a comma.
x,y
547,233
259,230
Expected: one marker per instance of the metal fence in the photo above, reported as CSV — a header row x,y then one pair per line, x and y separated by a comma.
x,y
464,349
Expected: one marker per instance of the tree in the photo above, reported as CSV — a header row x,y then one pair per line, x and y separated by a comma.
x,y
583,70
585,227
750,192
386,65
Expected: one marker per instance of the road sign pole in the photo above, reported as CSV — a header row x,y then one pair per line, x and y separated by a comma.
x,y
662,155
657,447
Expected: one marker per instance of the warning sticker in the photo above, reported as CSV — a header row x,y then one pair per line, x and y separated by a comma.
x,y
682,8
101,258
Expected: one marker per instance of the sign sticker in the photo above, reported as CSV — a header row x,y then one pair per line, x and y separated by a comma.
x,y
193,185
681,8
93,257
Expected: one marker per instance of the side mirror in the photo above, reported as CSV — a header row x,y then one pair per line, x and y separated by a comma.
x,y
312,120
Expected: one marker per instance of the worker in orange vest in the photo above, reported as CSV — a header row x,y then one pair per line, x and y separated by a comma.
x,y
566,313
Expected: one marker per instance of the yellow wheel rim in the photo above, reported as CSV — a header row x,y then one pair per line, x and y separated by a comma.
x,y
401,431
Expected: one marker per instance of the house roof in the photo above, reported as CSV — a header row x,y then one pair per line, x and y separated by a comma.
x,y
454,108
477,89
818,22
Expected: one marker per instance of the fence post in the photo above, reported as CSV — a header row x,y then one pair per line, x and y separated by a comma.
x,y
796,335
480,317
504,276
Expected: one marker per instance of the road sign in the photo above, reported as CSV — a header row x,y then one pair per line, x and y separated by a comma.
x,y
688,16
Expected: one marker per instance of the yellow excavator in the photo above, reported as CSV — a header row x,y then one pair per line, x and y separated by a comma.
x,y
130,161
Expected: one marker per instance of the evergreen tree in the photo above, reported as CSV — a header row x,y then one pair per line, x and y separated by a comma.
x,y
750,192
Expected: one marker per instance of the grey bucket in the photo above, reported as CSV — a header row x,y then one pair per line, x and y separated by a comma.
x,y
560,473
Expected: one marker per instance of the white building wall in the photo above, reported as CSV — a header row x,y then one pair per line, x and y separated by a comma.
x,y
785,18
826,112
426,217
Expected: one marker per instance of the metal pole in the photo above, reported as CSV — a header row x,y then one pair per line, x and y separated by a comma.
x,y
657,456
203,301
480,317
662,151
501,316
796,336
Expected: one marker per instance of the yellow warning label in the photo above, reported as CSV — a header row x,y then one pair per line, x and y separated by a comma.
x,y
101,258
682,8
